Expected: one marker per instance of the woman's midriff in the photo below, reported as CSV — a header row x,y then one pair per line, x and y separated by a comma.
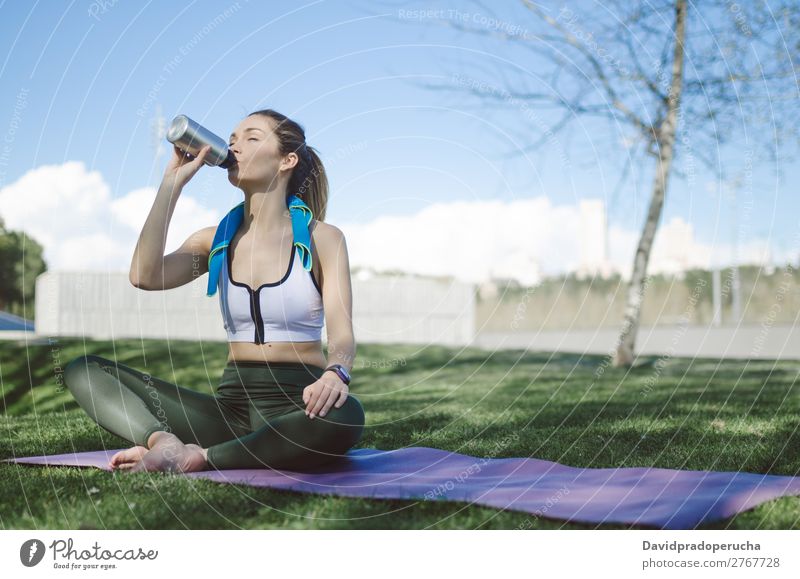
x,y
309,353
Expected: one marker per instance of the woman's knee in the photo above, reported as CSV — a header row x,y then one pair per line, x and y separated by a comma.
x,y
351,413
347,421
355,411
83,361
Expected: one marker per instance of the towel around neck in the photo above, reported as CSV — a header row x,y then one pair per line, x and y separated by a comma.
x,y
301,217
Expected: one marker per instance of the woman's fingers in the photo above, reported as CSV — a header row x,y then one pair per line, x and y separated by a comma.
x,y
187,158
342,398
310,396
321,400
201,155
334,396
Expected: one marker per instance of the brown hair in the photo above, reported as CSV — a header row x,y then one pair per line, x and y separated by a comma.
x,y
308,180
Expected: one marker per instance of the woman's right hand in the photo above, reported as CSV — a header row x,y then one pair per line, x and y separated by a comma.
x,y
183,166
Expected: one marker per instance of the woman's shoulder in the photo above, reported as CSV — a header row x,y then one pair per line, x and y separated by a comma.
x,y
325,230
206,236
326,241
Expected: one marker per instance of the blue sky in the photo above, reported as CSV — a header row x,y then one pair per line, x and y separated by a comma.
x,y
81,82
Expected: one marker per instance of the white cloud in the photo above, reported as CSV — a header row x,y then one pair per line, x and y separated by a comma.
x,y
525,240
71,212
471,240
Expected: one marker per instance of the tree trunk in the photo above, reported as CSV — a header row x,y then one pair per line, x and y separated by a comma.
x,y
665,139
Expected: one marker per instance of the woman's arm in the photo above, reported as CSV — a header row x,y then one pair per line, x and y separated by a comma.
x,y
147,263
337,296
148,257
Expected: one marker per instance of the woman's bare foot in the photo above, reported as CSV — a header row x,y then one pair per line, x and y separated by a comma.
x,y
125,459
169,454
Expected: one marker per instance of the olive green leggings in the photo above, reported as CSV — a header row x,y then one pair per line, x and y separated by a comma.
x,y
256,419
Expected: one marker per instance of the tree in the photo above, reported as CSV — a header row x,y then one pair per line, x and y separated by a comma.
x,y
22,262
679,77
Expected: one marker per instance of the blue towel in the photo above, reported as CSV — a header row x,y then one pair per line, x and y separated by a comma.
x,y
227,228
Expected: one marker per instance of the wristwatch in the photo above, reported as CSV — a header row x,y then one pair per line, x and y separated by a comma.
x,y
341,371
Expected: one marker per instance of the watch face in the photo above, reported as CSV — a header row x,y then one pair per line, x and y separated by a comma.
x,y
345,372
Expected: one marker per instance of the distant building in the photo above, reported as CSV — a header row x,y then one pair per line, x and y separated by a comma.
x,y
594,226
386,309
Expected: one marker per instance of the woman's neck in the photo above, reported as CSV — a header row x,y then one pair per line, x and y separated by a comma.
x,y
266,212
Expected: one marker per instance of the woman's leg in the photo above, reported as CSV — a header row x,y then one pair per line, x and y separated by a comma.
x,y
133,405
293,441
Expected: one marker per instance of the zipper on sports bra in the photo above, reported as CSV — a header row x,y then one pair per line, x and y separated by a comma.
x,y
255,314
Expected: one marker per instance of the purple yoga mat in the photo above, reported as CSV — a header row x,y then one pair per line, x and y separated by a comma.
x,y
650,497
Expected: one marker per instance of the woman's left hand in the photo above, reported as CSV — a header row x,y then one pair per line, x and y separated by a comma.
x,y
328,391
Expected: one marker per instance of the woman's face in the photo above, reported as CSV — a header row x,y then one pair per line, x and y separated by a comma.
x,y
257,151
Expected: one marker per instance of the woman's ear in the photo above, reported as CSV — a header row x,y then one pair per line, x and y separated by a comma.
x,y
290,161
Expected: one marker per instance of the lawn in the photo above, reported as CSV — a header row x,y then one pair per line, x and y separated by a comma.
x,y
696,414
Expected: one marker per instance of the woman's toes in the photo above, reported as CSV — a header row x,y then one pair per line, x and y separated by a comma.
x,y
125,458
162,457
172,458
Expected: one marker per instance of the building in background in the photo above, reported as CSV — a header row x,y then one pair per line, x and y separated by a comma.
x,y
594,252
105,306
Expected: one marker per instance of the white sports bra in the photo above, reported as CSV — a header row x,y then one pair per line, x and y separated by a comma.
x,y
288,310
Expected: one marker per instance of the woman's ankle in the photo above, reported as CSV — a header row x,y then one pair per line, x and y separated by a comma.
x,y
158,435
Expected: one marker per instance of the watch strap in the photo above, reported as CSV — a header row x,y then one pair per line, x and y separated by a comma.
x,y
342,376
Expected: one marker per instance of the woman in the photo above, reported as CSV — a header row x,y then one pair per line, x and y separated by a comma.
x,y
279,403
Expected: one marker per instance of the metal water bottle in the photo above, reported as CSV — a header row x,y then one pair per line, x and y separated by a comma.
x,y
190,136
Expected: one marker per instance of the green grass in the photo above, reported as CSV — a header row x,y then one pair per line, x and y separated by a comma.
x,y
696,414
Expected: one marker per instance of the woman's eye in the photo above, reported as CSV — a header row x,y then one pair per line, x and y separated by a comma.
x,y
252,139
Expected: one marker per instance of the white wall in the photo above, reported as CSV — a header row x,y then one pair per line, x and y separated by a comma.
x,y
103,306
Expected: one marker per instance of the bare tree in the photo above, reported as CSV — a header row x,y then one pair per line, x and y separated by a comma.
x,y
680,76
